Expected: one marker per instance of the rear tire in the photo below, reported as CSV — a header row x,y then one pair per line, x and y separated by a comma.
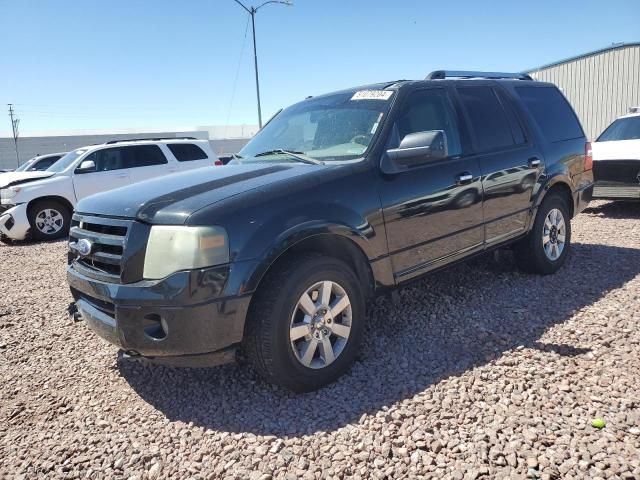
x,y
305,343
545,248
49,220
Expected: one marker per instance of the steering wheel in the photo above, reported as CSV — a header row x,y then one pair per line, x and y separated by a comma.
x,y
363,137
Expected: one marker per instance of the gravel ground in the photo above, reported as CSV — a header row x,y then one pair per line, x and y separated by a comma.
x,y
478,371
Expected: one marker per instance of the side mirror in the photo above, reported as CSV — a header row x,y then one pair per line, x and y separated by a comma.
x,y
419,148
87,166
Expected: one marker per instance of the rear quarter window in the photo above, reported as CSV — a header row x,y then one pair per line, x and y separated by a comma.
x,y
551,112
186,152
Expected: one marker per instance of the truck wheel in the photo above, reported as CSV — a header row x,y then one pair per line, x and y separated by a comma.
x,y
49,220
305,323
545,249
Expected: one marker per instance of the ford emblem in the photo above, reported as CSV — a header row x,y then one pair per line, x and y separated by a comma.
x,y
83,247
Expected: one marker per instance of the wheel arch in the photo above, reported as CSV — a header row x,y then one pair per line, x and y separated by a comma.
x,y
331,244
561,185
56,198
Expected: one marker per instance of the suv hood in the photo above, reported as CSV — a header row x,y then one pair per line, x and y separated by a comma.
x,y
173,198
15,178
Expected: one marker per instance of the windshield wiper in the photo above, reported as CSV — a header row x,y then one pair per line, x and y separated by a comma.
x,y
297,155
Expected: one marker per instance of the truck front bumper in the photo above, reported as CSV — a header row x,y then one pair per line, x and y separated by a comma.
x,y
14,223
166,321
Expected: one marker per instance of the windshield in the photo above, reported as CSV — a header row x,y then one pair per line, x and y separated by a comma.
x,y
26,165
330,128
622,129
66,161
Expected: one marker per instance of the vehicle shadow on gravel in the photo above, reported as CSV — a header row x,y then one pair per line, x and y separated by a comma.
x,y
442,326
615,210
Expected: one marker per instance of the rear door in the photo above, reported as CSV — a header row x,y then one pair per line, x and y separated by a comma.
x,y
112,171
509,160
433,211
147,161
190,155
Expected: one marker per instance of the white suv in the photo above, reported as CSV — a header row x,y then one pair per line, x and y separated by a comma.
x,y
40,204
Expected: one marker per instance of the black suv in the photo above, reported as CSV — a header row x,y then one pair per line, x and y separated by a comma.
x,y
337,199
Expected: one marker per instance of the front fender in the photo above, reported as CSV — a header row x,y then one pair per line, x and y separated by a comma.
x,y
61,186
294,236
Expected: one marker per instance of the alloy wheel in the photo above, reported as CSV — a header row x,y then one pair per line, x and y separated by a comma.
x,y
49,221
320,324
554,234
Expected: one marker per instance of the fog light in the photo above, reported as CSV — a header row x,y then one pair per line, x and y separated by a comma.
x,y
154,327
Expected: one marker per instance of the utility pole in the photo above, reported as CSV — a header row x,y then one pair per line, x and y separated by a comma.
x,y
15,122
252,11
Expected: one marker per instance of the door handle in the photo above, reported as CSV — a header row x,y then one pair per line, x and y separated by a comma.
x,y
534,162
464,178
122,175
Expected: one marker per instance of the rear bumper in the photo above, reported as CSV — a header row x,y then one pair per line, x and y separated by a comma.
x,y
617,190
14,223
166,319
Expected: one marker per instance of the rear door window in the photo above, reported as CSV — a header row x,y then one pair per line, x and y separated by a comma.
x,y
186,152
145,155
488,119
551,112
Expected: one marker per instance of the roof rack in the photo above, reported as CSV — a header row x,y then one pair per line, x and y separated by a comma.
x,y
442,74
156,139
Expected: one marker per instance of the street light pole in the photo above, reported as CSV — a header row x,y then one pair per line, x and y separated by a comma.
x,y
252,11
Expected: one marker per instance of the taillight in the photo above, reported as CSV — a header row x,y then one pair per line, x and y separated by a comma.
x,y
588,156
218,163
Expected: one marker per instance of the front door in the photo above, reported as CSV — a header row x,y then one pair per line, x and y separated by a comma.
x,y
433,211
509,161
112,171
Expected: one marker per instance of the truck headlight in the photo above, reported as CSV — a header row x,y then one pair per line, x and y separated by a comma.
x,y
174,248
7,194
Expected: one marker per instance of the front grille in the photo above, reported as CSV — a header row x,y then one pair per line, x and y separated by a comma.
x,y
108,237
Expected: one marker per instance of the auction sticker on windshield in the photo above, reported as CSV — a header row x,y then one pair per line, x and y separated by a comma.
x,y
372,95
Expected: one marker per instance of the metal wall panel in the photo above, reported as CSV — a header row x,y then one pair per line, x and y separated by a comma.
x,y
601,86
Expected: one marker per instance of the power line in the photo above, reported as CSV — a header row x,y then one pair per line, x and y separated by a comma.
x,y
235,81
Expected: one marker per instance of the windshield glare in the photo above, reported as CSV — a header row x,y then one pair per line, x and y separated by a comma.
x,y
334,127
66,161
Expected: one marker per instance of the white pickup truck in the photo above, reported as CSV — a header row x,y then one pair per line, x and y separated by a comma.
x,y
40,204
616,159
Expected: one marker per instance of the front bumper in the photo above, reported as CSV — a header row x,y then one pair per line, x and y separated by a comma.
x,y
617,179
169,319
14,223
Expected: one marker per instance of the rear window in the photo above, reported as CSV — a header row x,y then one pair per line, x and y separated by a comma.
x,y
551,112
186,152
622,129
488,119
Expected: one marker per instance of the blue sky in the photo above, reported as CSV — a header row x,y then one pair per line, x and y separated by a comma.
x,y
89,64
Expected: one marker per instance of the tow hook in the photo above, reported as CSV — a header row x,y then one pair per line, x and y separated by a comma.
x,y
73,312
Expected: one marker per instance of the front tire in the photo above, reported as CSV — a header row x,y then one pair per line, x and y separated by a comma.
x,y
49,220
545,248
305,323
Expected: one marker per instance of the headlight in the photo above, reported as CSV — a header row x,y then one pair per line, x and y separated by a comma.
x,y
174,248
7,194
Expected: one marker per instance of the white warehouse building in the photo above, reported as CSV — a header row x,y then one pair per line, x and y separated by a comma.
x,y
601,85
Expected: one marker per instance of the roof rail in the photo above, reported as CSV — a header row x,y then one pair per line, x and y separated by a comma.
x,y
156,139
442,74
